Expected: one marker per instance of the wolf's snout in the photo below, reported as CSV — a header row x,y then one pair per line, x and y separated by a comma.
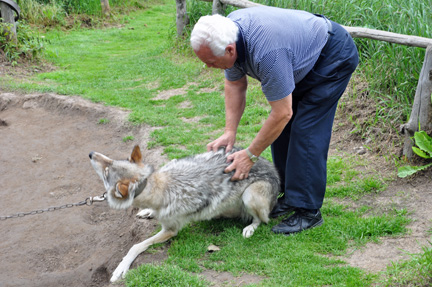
x,y
91,154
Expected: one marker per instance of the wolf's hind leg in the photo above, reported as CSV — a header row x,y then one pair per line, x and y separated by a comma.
x,y
257,205
137,249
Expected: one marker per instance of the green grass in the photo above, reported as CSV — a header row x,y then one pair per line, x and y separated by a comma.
x,y
414,272
130,65
343,180
167,275
311,258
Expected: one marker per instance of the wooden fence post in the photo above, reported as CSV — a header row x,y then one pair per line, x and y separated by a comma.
x,y
182,19
105,7
8,16
421,109
218,7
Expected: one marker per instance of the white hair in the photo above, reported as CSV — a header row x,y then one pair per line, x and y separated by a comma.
x,y
215,31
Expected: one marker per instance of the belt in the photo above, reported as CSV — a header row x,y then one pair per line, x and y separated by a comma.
x,y
329,31
330,26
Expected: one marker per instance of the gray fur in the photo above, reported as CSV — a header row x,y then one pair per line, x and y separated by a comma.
x,y
190,189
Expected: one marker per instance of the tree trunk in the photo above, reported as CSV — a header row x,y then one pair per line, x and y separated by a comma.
x,y
105,8
182,19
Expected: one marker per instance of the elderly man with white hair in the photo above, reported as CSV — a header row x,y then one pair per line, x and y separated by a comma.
x,y
304,63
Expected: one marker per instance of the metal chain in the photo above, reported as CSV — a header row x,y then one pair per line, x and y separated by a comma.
x,y
88,201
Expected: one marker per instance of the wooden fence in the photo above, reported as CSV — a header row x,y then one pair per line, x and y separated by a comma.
x,y
421,109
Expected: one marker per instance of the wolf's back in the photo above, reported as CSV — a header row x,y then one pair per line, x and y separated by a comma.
x,y
209,167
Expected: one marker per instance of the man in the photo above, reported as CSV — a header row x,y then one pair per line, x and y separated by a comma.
x,y
304,63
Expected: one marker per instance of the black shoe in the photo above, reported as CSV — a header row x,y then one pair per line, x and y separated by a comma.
x,y
281,209
301,220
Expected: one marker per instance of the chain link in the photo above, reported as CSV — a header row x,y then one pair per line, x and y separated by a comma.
x,y
88,201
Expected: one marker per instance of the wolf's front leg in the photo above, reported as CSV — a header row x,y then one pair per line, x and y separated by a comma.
x,y
146,213
137,249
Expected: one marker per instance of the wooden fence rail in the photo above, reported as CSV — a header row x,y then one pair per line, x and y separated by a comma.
x,y
421,109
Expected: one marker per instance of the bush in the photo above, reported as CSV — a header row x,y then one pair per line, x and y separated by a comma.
x,y
29,44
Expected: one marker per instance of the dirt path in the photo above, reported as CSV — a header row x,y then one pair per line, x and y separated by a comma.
x,y
45,140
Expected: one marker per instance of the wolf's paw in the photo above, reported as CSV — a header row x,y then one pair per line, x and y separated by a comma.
x,y
119,273
146,214
248,231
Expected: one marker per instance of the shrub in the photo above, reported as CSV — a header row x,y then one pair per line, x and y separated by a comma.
x,y
29,45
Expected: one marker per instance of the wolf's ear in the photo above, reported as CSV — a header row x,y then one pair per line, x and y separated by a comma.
x,y
136,156
122,189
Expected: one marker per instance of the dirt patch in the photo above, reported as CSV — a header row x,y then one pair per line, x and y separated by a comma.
x,y
413,195
379,147
165,95
44,143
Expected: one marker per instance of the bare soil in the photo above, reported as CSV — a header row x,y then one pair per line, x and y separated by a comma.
x,y
45,140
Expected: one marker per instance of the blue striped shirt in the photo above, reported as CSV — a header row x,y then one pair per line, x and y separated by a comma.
x,y
276,46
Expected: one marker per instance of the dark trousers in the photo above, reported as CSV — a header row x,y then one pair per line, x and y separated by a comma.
x,y
300,152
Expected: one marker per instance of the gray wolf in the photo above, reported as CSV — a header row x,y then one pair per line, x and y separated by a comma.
x,y
190,189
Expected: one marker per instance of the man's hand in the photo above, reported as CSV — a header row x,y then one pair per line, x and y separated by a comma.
x,y
241,163
226,140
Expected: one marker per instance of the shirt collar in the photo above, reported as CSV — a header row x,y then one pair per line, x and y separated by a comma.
x,y
240,47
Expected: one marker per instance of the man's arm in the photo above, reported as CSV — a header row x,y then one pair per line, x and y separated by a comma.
x,y
279,117
235,102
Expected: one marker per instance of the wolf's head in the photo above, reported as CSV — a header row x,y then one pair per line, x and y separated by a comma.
x,y
123,179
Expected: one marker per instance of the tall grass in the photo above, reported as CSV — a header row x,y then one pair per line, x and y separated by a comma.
x,y
90,7
53,12
390,70
46,14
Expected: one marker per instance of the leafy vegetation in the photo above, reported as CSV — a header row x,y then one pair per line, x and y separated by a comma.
x,y
423,150
29,44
